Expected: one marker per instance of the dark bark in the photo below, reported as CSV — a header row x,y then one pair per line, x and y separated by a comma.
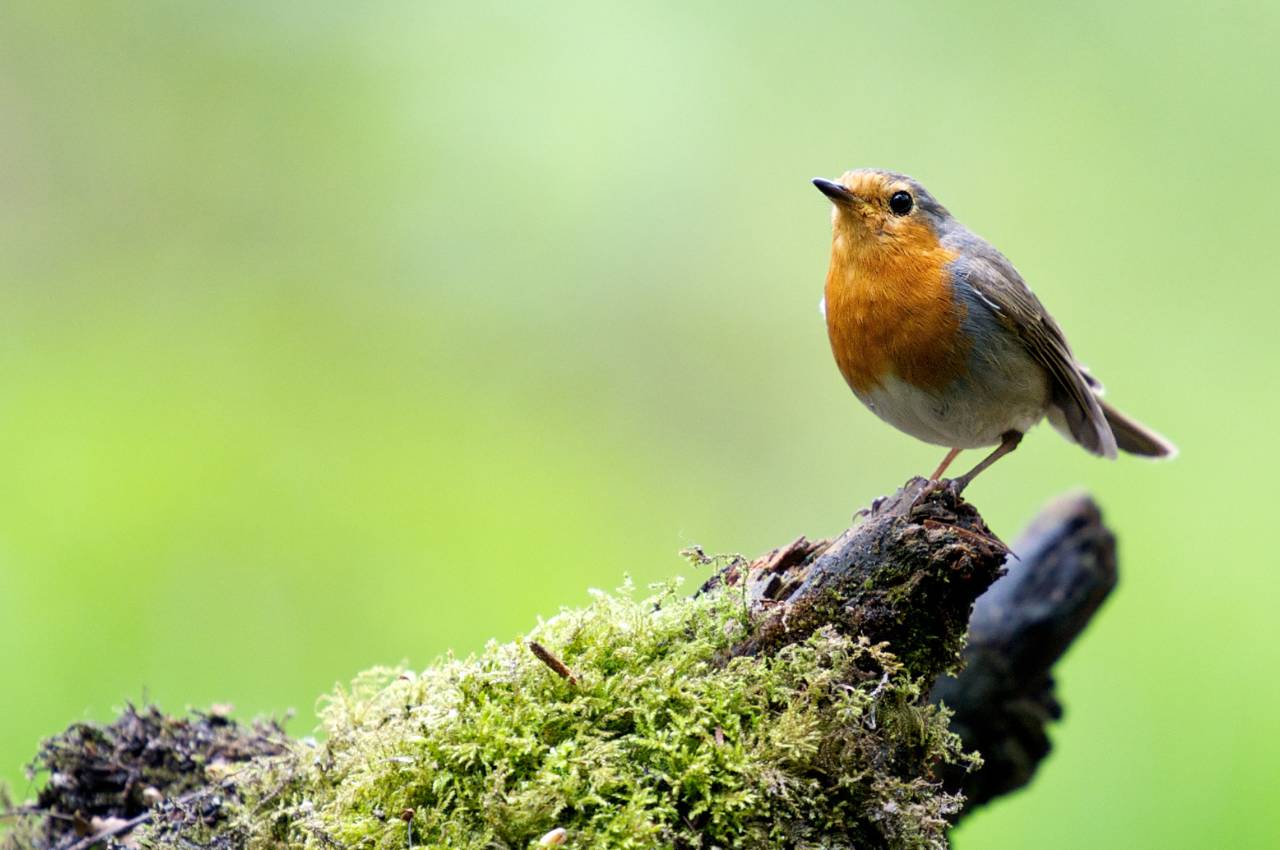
x,y
1004,698
910,572
911,553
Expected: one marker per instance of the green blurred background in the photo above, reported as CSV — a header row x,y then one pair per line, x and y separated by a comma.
x,y
340,334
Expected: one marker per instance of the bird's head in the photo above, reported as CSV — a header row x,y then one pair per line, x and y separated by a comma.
x,y
881,209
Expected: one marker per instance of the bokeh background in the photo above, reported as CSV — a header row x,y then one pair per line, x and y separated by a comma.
x,y
340,334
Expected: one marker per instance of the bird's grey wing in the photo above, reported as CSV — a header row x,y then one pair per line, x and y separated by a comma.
x,y
996,285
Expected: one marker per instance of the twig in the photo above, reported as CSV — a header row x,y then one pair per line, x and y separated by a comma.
x,y
984,539
109,832
546,657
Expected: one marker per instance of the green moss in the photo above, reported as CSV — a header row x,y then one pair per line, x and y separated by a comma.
x,y
660,742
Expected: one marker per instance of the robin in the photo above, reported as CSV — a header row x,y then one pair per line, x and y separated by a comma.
x,y
936,332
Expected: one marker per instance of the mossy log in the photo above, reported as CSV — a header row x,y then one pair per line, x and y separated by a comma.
x,y
791,702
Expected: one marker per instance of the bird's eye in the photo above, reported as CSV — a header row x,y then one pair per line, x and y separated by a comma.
x,y
900,203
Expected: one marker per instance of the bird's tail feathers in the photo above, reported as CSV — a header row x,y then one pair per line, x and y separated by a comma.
x,y
1134,437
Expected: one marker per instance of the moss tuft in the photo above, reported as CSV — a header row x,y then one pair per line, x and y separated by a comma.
x,y
656,741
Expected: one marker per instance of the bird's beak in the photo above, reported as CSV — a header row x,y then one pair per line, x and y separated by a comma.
x,y
834,190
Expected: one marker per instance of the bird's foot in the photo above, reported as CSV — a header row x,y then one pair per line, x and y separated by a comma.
x,y
954,486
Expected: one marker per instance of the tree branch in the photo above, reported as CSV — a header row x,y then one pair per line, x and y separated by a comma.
x,y
1004,698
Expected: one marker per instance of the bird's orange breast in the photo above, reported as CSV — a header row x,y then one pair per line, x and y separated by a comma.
x,y
891,311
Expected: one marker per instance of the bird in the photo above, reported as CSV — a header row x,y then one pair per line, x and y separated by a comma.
x,y
937,333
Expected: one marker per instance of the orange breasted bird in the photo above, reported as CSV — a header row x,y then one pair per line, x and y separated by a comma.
x,y
935,331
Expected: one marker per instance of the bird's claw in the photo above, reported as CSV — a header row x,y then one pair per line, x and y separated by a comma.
x,y
954,486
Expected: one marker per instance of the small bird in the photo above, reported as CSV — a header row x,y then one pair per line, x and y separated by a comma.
x,y
935,331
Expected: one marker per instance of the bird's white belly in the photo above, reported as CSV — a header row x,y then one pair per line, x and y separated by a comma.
x,y
969,413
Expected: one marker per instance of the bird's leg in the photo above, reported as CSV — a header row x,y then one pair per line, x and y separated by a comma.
x,y
1008,442
942,467
934,484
